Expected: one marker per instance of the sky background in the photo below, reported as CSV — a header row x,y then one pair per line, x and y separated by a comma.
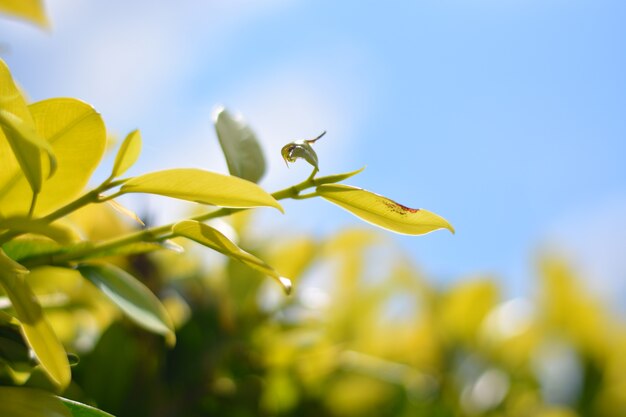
x,y
506,117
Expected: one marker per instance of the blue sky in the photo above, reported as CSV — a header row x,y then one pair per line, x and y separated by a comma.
x,y
506,117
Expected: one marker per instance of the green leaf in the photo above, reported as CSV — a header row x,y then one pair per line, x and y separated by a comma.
x,y
31,10
55,232
212,238
240,146
77,135
131,296
128,153
83,410
29,402
37,330
28,247
381,211
26,147
21,152
203,187
329,179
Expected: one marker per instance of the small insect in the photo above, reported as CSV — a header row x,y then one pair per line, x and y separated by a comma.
x,y
301,149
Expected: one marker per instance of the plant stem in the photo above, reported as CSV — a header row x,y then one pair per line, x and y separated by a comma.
x,y
92,196
161,233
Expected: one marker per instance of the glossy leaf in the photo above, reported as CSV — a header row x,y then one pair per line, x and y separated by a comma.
x,y
20,152
203,187
24,142
36,329
83,410
383,212
128,153
212,238
131,296
31,10
29,402
77,135
241,148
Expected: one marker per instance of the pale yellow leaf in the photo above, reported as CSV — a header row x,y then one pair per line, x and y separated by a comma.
x,y
77,135
37,331
125,211
212,238
203,187
31,10
20,144
128,153
383,212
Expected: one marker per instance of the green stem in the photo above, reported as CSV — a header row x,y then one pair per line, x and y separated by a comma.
x,y
92,196
162,233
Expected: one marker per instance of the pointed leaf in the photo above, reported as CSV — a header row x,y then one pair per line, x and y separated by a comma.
x,y
329,179
128,153
31,10
30,402
26,153
37,330
131,296
77,135
240,146
212,238
83,410
381,211
203,187
125,211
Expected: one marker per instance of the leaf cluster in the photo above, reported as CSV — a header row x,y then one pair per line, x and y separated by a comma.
x,y
48,153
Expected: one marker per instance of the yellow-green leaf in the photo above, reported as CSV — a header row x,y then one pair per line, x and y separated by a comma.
x,y
212,238
203,187
20,153
30,402
37,331
31,10
383,212
328,179
26,153
56,232
240,146
131,296
77,135
128,153
125,211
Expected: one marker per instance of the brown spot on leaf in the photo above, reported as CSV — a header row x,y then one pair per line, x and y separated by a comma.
x,y
399,208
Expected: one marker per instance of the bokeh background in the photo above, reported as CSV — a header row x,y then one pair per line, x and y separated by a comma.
x,y
506,117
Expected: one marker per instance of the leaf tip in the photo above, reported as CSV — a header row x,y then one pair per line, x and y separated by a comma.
x,y
286,284
170,339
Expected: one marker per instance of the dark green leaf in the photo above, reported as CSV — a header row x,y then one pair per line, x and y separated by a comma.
x,y
131,296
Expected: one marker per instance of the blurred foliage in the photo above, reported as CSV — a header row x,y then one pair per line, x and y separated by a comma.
x,y
148,331
363,334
